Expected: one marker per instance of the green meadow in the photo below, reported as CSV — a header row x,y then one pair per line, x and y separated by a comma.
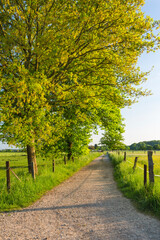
x,y
131,182
25,191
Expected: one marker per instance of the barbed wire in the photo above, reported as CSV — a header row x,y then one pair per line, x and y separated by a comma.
x,y
143,169
15,175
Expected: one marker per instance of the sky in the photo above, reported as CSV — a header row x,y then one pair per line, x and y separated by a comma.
x,y
142,119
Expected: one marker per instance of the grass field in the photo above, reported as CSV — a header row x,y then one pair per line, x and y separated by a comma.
x,y
26,191
131,182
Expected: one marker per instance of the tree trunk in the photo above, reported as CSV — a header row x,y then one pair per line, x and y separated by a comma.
x,y
69,149
29,158
31,154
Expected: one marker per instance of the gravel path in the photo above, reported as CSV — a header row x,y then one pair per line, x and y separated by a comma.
x,y
88,206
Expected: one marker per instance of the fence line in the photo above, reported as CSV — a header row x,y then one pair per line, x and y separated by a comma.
x,y
8,169
143,169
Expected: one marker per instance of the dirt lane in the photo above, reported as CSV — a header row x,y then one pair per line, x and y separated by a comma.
x,y
88,206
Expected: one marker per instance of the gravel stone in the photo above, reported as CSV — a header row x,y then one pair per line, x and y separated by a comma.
x,y
87,206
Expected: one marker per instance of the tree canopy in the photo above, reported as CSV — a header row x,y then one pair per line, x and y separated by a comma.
x,y
114,128
55,54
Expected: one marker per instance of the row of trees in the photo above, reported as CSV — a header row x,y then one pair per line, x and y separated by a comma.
x,y
68,66
146,145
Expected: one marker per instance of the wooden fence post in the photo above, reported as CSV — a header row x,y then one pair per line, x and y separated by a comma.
x,y
33,170
124,156
65,161
135,163
53,165
145,174
8,176
150,164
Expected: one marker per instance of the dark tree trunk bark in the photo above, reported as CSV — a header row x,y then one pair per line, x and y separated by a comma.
x,y
69,150
31,154
29,159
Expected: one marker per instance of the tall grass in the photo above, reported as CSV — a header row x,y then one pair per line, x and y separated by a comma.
x,y
131,183
26,191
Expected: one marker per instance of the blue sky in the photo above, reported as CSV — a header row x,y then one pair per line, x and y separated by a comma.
x,y
142,120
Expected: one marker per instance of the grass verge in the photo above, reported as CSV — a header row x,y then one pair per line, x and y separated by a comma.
x,y
146,199
23,193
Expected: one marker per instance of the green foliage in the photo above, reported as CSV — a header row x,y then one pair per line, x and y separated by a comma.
x,y
146,145
27,191
68,53
77,133
112,138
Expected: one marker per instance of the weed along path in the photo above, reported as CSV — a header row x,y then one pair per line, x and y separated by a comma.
x,y
88,206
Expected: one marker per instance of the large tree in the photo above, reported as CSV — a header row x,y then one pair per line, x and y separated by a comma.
x,y
55,53
113,130
80,121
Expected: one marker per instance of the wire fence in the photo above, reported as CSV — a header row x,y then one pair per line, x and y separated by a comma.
x,y
147,160
12,164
